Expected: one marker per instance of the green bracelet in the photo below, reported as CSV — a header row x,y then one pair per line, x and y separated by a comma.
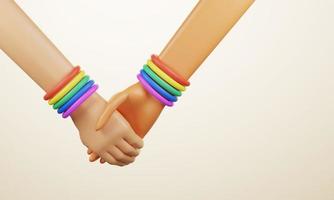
x,y
69,95
161,82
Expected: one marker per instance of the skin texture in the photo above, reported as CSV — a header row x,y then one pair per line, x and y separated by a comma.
x,y
197,37
27,46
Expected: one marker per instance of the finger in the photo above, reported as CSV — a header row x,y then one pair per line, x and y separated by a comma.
x,y
110,159
113,104
102,161
93,157
120,156
134,140
127,149
89,151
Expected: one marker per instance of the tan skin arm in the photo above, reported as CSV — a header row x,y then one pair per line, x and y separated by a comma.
x,y
201,32
197,37
27,46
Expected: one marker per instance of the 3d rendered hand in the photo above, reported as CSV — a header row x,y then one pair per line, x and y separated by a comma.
x,y
116,142
139,108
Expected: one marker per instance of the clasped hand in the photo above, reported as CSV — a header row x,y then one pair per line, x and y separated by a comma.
x,y
113,130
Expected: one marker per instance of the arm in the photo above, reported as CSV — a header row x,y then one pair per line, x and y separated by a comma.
x,y
197,37
27,46
201,32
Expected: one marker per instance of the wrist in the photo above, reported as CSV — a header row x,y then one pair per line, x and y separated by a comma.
x,y
148,99
85,110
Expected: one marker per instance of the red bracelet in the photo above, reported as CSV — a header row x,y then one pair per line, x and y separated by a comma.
x,y
62,83
156,60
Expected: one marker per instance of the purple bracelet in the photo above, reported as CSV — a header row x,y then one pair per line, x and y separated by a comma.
x,y
149,89
82,99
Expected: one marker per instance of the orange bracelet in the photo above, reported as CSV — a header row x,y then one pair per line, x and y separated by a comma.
x,y
156,60
62,83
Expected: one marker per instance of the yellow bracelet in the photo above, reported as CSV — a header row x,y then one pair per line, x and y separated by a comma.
x,y
67,88
165,77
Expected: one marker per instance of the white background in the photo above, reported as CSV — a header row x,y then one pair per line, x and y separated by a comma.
x,y
257,122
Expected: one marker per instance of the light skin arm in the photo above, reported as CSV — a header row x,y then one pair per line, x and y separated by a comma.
x,y
197,37
36,55
29,48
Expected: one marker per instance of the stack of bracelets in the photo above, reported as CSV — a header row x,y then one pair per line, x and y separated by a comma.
x,y
71,92
161,82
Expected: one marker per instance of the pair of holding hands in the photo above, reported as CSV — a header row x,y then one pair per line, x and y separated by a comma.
x,y
113,130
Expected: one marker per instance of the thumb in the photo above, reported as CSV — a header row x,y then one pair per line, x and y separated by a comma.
x,y
114,102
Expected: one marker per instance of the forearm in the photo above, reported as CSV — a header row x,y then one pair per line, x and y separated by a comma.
x,y
197,37
200,33
29,48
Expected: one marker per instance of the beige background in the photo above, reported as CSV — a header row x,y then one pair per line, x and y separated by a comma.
x,y
257,122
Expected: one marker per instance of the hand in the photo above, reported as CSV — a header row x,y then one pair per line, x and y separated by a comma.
x,y
137,106
116,142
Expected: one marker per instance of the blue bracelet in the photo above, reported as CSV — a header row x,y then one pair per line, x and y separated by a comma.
x,y
157,87
70,102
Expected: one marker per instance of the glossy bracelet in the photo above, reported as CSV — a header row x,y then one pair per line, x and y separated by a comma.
x,y
67,88
157,61
150,90
157,88
71,92
62,83
75,98
69,95
82,99
161,82
165,77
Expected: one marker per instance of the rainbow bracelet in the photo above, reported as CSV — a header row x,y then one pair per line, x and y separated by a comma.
x,y
71,92
157,88
75,97
161,82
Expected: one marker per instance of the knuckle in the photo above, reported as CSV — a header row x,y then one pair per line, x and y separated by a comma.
x,y
129,152
140,144
119,156
125,159
132,159
134,153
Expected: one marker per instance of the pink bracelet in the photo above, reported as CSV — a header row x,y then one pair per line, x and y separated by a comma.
x,y
149,89
82,99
